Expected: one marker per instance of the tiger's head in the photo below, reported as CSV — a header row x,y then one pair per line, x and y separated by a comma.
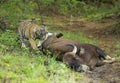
x,y
41,32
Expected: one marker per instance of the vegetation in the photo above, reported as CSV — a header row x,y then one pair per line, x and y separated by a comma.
x,y
28,66
14,10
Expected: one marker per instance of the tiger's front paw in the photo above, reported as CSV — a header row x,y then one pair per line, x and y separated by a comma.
x,y
23,45
35,48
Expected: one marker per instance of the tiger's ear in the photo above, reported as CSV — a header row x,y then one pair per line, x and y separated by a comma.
x,y
44,27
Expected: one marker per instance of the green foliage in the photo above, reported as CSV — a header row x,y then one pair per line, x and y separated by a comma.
x,y
105,11
77,36
89,9
117,50
33,69
14,10
80,38
8,38
116,29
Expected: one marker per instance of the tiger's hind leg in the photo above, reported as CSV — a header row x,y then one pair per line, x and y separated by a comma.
x,y
22,40
23,44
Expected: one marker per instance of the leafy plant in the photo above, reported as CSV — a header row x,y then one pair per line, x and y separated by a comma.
x,y
8,38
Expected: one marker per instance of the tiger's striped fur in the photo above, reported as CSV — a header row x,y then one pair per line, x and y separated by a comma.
x,y
31,31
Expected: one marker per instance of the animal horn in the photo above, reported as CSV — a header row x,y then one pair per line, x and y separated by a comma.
x,y
74,48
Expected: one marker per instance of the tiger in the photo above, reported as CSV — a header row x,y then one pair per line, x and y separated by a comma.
x,y
31,32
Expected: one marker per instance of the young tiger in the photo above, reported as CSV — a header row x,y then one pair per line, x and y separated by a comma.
x,y
31,31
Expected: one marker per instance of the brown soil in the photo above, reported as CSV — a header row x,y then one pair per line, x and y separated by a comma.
x,y
109,73
99,30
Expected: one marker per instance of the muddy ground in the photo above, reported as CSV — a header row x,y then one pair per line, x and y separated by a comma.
x,y
106,39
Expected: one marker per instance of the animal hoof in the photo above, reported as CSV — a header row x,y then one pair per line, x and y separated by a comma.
x,y
39,47
108,57
110,60
23,46
35,48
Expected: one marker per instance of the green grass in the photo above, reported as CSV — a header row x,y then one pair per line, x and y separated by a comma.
x,y
77,36
117,50
33,69
104,11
